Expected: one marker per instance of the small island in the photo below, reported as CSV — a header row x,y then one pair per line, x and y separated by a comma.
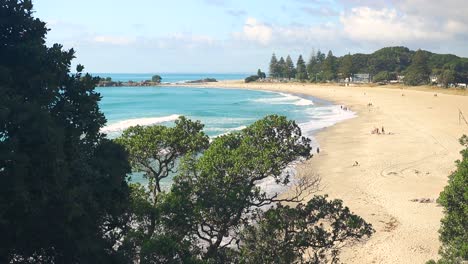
x,y
206,80
155,81
108,82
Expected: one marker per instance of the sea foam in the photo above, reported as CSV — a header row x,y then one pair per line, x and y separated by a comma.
x,y
324,116
122,125
286,99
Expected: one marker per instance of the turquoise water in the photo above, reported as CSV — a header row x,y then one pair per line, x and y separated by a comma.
x,y
172,77
221,110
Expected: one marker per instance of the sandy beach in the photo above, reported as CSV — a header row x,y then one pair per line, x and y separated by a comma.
x,y
396,171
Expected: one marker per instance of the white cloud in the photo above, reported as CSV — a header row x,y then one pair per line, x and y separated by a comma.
x,y
291,36
178,41
114,40
390,26
256,31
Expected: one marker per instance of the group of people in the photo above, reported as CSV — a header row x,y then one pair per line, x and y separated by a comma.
x,y
345,108
378,131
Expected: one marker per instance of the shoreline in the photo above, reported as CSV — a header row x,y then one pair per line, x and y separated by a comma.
x,y
395,171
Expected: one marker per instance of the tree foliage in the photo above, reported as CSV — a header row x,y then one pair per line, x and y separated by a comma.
x,y
309,233
384,76
63,193
274,67
301,70
251,78
260,74
454,199
154,151
346,66
290,70
418,72
329,67
314,66
416,66
156,78
447,77
215,202
282,69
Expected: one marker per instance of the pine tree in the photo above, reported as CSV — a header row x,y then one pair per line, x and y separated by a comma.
x,y
329,67
290,70
274,66
301,74
346,66
282,68
314,66
311,65
418,72
320,57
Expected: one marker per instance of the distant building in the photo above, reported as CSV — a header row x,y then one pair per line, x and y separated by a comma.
x,y
400,78
433,78
361,78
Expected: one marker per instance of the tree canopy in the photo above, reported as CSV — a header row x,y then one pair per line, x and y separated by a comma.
x,y
65,196
156,78
454,199
387,62
274,67
301,71
290,71
215,206
329,67
64,193
418,72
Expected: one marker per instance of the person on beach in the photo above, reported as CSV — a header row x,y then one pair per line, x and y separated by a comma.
x,y
383,130
318,150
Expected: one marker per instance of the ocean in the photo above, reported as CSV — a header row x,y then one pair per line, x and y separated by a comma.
x,y
221,110
172,77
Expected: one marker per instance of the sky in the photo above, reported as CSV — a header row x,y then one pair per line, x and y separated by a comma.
x,y
239,36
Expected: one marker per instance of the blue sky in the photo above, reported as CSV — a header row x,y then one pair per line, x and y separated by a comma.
x,y
150,36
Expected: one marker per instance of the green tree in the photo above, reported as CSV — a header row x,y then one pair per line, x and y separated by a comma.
x,y
314,66
274,69
360,63
221,186
319,227
64,194
454,199
447,77
329,67
290,71
251,78
156,78
311,66
155,151
215,199
301,70
418,72
346,66
416,66
384,76
282,70
260,74
390,59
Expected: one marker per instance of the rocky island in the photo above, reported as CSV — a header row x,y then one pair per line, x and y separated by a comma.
x,y
108,82
206,80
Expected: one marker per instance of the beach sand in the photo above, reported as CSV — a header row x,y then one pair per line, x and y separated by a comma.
x,y
413,162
